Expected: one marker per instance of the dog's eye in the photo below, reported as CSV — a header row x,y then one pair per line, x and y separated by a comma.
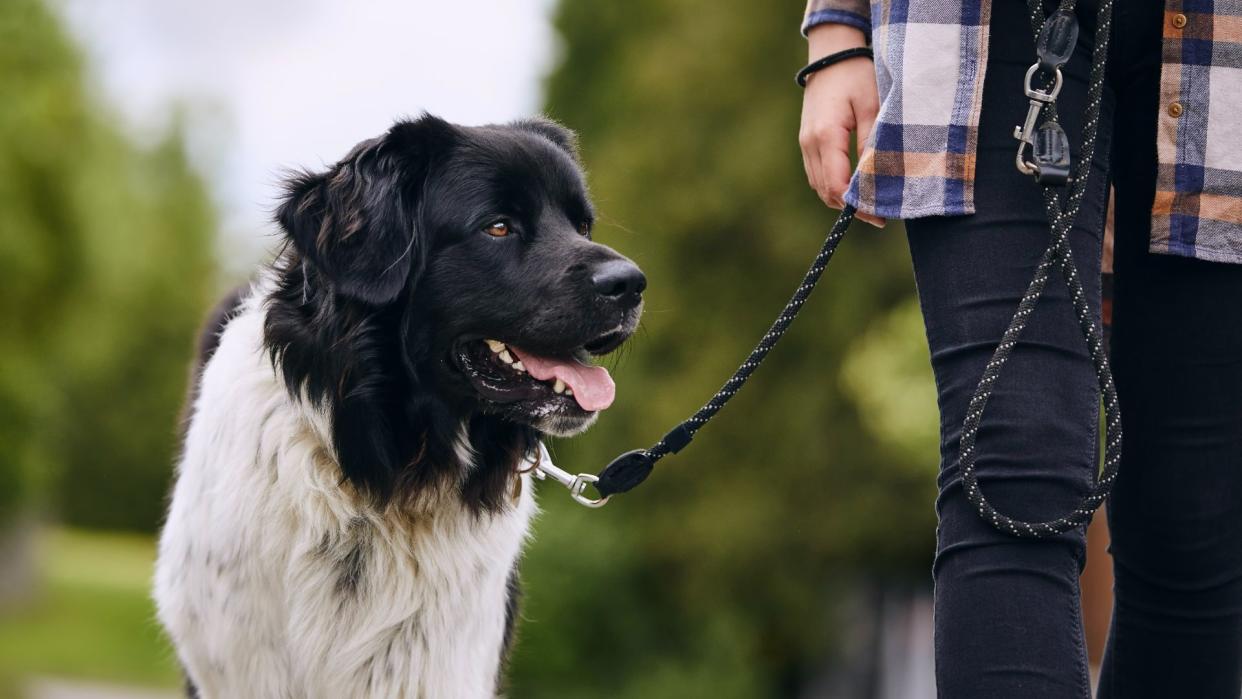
x,y
498,229
584,228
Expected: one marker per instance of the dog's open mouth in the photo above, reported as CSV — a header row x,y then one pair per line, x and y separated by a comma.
x,y
505,374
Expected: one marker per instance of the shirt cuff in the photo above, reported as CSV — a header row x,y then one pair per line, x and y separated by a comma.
x,y
833,16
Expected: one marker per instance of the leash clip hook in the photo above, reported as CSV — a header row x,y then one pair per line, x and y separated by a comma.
x,y
1026,133
577,484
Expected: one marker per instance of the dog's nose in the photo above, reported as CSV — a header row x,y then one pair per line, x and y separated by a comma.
x,y
619,280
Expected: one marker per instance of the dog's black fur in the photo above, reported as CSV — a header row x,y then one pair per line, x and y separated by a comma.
x,y
390,271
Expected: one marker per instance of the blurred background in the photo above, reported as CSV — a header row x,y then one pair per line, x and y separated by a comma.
x,y
141,144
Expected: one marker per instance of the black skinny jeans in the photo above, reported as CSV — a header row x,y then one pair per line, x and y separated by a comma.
x,y
1007,615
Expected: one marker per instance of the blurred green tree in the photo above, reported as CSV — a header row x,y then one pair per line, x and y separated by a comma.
x,y
718,578
105,265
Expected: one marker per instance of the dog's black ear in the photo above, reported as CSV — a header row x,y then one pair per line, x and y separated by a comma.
x,y
356,222
553,131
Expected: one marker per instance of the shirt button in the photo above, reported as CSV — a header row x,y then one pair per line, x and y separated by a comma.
x,y
1179,20
1175,109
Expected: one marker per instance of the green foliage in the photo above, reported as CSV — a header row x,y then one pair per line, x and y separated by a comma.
x,y
886,372
717,577
93,619
105,265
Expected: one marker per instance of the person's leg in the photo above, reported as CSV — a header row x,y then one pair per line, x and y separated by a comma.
x,y
1007,617
1176,511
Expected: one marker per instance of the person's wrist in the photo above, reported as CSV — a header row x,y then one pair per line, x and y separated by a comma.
x,y
828,38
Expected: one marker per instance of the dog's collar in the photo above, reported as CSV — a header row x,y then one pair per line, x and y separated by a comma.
x,y
545,469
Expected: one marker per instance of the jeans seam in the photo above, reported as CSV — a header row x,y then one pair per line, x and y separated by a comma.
x,y
1076,625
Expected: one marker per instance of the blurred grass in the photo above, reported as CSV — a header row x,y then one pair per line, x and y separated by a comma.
x,y
92,617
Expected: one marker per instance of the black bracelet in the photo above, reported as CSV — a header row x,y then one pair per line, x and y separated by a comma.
x,y
831,59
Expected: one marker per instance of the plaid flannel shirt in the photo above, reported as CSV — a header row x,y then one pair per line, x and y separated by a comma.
x,y
922,156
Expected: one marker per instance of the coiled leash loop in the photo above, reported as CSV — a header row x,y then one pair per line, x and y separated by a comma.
x,y
1049,163
1061,218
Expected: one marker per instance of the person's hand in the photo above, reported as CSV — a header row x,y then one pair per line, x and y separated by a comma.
x,y
839,100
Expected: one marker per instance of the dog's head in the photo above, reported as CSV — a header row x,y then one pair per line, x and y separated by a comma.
x,y
442,273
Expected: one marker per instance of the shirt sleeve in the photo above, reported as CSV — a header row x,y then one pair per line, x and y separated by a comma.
x,y
855,13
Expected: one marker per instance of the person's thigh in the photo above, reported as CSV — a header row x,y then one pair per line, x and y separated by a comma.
x,y
1176,510
1007,614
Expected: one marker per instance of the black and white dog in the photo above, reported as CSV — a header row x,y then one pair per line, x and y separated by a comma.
x,y
353,495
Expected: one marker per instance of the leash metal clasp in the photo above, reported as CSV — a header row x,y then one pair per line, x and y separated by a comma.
x,y
1049,159
577,484
1026,133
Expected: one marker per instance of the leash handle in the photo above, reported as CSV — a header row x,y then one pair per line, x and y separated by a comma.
x,y
1061,220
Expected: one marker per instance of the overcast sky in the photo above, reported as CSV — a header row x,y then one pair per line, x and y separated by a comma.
x,y
270,85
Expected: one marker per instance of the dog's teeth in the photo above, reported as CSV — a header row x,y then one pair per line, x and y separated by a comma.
x,y
569,391
496,346
558,387
506,357
518,366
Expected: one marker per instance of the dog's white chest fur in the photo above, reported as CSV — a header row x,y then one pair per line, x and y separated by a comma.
x,y
274,580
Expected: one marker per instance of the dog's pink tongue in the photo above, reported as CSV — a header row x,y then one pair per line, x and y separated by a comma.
x,y
593,387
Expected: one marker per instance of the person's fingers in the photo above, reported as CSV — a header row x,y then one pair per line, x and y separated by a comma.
x,y
810,162
839,181
814,163
869,219
835,170
810,155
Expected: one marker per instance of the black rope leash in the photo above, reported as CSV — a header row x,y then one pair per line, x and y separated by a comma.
x,y
631,468
1050,165
1061,218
